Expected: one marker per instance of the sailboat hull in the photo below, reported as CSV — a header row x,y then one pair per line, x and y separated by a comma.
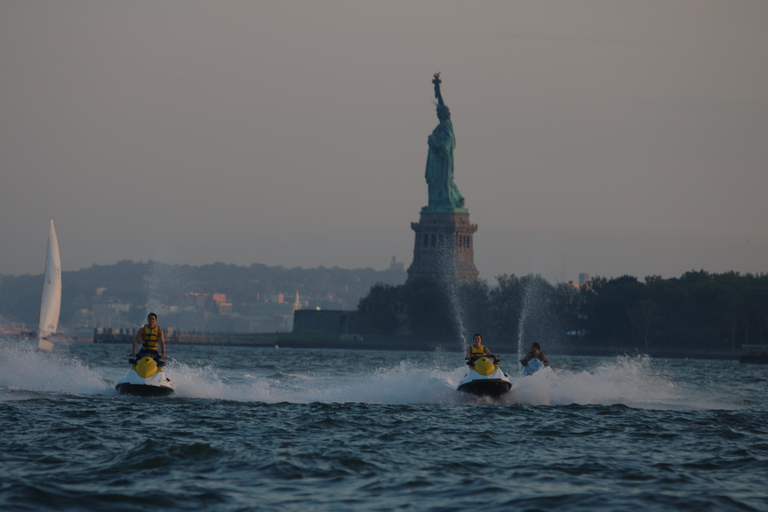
x,y
43,344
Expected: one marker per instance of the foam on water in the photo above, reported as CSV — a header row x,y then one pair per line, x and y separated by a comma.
x,y
626,380
404,384
631,381
23,367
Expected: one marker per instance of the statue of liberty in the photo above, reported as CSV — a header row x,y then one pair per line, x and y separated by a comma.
x,y
444,195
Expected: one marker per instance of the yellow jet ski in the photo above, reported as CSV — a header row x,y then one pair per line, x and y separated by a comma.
x,y
145,378
485,378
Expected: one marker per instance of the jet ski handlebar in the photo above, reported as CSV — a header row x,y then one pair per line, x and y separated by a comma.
x,y
494,357
134,359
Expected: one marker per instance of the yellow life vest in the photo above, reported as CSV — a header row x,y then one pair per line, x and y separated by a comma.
x,y
149,337
477,351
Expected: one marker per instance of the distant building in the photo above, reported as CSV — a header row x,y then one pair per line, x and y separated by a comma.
x,y
225,308
326,321
297,302
395,274
110,315
270,317
583,278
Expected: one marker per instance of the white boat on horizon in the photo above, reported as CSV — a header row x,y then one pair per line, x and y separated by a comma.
x,y
50,306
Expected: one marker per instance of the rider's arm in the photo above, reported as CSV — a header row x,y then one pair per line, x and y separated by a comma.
x,y
161,341
135,342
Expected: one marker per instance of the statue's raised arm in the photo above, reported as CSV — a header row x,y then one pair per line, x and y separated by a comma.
x,y
437,83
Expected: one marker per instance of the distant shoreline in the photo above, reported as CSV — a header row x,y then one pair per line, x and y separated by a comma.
x,y
504,349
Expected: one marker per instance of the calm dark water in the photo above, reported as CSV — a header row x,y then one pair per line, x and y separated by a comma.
x,y
280,429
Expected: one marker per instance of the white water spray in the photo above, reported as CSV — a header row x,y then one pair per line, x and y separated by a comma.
x,y
537,321
638,382
451,289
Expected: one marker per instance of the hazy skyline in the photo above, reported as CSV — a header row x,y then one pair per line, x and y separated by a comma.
x,y
592,136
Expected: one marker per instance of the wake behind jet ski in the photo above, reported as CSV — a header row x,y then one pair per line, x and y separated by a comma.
x,y
145,378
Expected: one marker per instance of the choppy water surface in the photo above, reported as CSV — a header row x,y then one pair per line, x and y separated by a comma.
x,y
281,429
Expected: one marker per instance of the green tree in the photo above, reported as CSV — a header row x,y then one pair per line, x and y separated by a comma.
x,y
506,304
428,310
380,307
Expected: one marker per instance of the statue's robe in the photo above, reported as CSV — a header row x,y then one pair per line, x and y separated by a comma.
x,y
443,192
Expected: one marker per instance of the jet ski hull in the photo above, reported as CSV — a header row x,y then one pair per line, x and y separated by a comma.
x,y
125,388
485,378
532,367
490,387
145,378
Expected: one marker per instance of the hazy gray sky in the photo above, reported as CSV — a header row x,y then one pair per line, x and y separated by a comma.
x,y
592,136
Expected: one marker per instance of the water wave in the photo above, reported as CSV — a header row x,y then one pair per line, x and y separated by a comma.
x,y
630,381
323,430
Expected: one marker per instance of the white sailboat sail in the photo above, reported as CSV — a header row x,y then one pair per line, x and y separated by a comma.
x,y
51,304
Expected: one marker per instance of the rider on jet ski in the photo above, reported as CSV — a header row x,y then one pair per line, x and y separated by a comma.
x,y
478,349
535,353
150,335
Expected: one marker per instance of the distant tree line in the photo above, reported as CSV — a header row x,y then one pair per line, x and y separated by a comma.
x,y
698,310
142,283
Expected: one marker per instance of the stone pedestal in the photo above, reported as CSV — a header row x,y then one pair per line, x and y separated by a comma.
x,y
443,248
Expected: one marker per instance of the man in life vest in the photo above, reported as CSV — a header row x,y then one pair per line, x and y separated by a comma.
x,y
151,335
535,353
478,349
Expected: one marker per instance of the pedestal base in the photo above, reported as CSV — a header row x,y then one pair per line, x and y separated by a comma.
x,y
444,248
